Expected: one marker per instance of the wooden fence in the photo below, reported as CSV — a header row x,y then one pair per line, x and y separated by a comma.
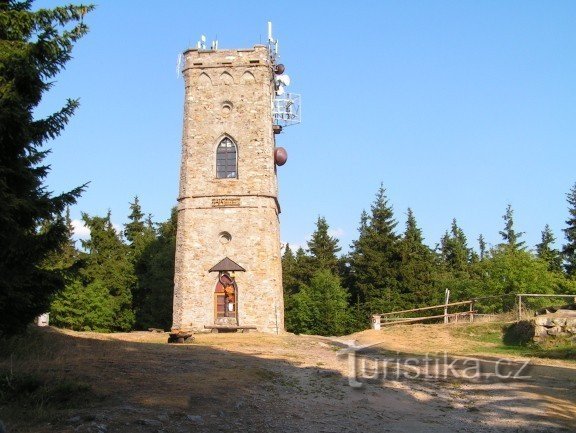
x,y
399,317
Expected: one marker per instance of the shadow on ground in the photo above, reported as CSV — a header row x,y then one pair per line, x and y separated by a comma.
x,y
258,383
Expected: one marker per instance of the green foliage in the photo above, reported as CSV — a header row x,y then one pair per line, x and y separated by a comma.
x,y
569,248
155,273
34,47
320,308
417,273
375,258
138,233
107,261
84,307
290,282
323,248
547,252
510,236
454,251
509,272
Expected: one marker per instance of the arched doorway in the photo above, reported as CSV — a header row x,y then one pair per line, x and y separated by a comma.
x,y
225,300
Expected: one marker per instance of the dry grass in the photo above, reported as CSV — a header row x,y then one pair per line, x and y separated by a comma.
x,y
136,382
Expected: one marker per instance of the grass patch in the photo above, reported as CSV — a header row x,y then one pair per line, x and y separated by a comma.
x,y
35,382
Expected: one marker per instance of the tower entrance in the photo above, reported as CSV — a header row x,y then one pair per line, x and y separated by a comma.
x,y
225,307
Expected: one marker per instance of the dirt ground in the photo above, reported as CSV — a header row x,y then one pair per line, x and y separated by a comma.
x,y
259,383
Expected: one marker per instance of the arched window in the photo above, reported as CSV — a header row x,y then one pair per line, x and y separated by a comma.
x,y
226,160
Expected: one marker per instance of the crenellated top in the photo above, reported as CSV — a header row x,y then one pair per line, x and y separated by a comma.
x,y
204,59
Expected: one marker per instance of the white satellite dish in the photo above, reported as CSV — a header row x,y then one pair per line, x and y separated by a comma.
x,y
279,90
283,79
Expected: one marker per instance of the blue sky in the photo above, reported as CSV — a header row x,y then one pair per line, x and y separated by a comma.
x,y
457,107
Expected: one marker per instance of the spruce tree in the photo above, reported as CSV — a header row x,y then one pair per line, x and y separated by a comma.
x,y
289,280
34,47
107,261
510,236
417,277
454,250
545,250
138,232
375,258
482,246
155,273
322,248
320,307
569,248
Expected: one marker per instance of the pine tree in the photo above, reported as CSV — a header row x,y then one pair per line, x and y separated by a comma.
x,y
323,248
375,258
509,235
417,276
34,47
107,261
569,248
547,252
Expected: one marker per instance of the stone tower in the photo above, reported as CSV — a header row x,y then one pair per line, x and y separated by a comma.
x,y
228,271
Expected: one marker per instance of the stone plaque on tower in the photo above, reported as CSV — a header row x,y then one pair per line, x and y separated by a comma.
x,y
228,272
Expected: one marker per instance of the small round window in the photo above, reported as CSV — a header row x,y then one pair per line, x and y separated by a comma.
x,y
224,237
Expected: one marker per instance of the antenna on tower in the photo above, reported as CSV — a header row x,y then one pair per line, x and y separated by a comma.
x,y
201,44
272,44
179,65
214,45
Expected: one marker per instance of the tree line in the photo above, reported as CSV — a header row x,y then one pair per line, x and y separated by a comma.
x,y
119,280
385,270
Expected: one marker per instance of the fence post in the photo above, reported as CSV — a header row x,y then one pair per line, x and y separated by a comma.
x,y
519,307
472,310
446,307
376,322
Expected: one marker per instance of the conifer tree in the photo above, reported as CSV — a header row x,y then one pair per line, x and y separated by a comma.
x,y
156,278
322,248
510,236
547,252
375,258
569,248
289,280
417,277
34,47
454,250
107,261
320,307
482,246
138,232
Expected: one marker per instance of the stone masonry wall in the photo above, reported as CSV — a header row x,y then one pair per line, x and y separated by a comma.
x,y
228,93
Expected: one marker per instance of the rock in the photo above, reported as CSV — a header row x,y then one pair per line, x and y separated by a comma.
x,y
150,422
559,321
540,331
556,330
197,419
75,419
543,321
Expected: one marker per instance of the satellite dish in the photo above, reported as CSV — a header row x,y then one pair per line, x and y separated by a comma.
x,y
280,90
283,79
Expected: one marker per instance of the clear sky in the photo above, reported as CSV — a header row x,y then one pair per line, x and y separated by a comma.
x,y
458,107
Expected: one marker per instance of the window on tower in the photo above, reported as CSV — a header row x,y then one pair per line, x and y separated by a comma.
x,y
226,160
